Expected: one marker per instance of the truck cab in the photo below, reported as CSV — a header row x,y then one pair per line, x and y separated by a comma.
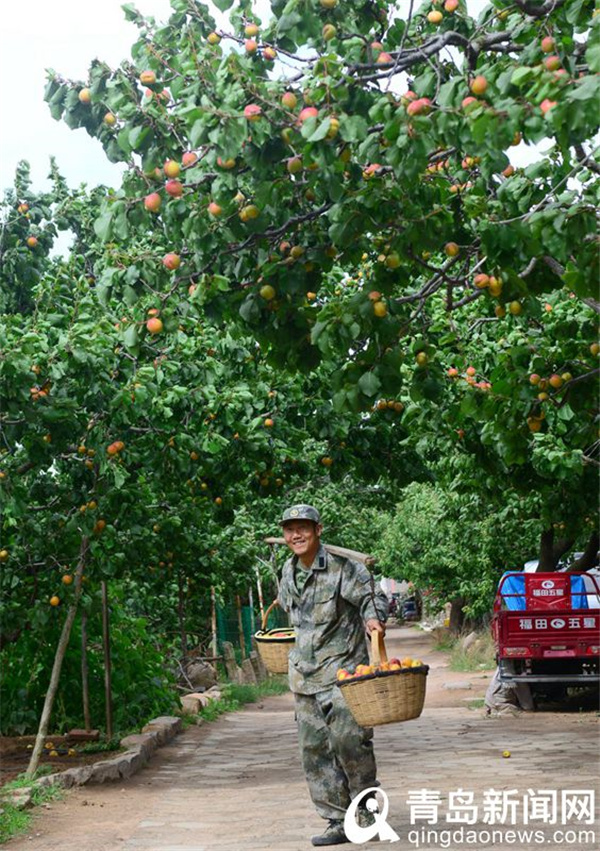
x,y
546,628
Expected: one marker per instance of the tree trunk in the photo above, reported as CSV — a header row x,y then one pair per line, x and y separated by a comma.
x,y
457,615
562,546
238,604
213,620
181,614
551,551
107,661
590,555
61,649
261,605
274,567
546,562
251,604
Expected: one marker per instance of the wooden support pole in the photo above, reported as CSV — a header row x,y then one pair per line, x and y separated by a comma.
x,y
238,604
261,605
251,604
59,656
338,551
181,613
274,565
107,661
213,620
85,680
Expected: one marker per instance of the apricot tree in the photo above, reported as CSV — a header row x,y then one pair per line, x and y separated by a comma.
x,y
338,181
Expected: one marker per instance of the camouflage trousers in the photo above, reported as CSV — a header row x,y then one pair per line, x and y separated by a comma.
x,y
337,754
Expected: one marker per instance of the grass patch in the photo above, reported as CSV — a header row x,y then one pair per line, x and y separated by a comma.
x,y
15,821
113,744
476,703
480,656
443,640
234,696
21,781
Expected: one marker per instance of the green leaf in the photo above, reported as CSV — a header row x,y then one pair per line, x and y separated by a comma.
x,y
339,400
289,17
521,75
223,5
129,295
131,13
220,283
317,330
120,475
573,10
566,413
321,131
354,129
197,132
369,383
592,55
449,92
131,338
123,141
138,136
249,309
588,89
120,226
102,227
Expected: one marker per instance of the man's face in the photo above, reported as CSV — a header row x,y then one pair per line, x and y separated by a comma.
x,y
302,537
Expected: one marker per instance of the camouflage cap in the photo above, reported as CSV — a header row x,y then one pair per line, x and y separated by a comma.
x,y
300,512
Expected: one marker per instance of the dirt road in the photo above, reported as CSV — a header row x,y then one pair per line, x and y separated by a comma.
x,y
237,784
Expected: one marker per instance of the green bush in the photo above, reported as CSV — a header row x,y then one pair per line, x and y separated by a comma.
x,y
452,544
142,685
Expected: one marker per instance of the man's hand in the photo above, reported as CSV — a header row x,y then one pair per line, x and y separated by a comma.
x,y
373,624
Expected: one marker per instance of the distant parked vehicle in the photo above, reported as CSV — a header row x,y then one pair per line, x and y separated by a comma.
x,y
410,609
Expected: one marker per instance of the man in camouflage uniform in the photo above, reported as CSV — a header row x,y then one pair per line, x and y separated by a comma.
x,y
332,602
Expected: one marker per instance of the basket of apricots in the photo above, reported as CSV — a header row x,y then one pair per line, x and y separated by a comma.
x,y
274,645
386,690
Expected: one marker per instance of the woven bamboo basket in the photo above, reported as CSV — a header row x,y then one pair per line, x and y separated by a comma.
x,y
274,651
385,696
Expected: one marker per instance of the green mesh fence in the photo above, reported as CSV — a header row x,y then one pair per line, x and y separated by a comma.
x,y
228,627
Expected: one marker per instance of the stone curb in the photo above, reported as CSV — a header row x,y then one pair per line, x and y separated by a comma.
x,y
140,747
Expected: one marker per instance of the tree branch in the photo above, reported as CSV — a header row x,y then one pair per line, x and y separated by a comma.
x,y
553,264
535,10
273,233
401,61
586,159
591,302
589,557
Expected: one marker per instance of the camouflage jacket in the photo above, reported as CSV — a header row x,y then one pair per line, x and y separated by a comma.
x,y
329,615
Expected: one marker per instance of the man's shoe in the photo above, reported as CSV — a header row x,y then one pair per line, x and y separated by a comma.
x,y
366,819
333,835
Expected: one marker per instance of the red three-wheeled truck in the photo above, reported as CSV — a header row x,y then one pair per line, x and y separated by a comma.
x,y
546,628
